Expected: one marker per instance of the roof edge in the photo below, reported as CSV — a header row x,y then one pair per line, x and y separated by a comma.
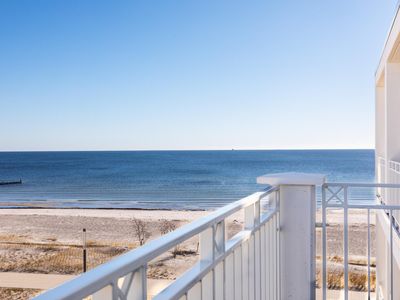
x,y
388,35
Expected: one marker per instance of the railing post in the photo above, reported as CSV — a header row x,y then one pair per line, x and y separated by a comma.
x,y
251,218
219,238
206,241
212,245
297,232
138,288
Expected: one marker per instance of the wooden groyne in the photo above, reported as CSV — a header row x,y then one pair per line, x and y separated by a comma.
x,y
11,182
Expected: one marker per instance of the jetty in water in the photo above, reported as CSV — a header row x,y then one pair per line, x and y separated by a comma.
x,y
11,182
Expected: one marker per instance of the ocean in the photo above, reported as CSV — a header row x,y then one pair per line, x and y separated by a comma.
x,y
165,179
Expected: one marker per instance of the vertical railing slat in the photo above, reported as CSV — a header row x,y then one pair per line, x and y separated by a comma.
x,y
345,245
238,273
369,253
207,286
195,292
274,281
249,222
207,256
271,263
138,290
251,268
391,254
277,205
276,257
323,275
229,277
267,262
257,267
262,263
245,270
219,281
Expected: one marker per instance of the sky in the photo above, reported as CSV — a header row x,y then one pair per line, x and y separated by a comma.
x,y
158,75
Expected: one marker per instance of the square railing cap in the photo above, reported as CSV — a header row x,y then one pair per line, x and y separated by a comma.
x,y
292,178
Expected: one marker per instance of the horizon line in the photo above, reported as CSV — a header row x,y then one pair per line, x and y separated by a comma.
x,y
183,150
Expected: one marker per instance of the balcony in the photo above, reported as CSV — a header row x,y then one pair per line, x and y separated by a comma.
x,y
281,253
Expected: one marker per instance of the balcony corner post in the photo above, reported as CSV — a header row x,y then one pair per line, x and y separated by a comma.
x,y
297,232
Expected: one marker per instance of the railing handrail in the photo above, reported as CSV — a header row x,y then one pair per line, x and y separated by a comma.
x,y
108,273
176,289
361,184
388,224
394,166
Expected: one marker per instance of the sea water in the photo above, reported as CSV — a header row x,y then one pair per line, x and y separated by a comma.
x,y
165,179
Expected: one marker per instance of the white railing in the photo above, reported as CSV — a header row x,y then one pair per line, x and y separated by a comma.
x,y
247,266
381,169
381,175
336,196
392,196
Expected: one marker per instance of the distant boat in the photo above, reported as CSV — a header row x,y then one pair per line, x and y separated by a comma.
x,y
11,182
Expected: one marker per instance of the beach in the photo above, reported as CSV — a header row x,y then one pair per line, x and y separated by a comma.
x,y
49,241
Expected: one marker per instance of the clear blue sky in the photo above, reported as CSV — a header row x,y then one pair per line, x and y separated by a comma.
x,y
119,75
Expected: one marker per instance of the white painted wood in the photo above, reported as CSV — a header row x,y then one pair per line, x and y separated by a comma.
x,y
90,282
249,217
267,261
278,247
257,265
297,207
292,178
206,241
274,259
219,281
251,268
207,286
271,262
195,292
229,277
391,47
245,270
138,290
125,285
219,238
263,263
103,294
238,273
386,272
392,96
297,218
380,124
257,212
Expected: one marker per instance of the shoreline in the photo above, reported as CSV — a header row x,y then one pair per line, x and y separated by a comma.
x,y
102,208
116,214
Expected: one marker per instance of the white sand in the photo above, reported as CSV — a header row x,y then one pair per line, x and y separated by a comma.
x,y
178,215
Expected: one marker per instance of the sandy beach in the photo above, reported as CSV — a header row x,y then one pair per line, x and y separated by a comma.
x,y
49,241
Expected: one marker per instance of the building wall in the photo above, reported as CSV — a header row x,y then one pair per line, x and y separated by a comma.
x,y
387,149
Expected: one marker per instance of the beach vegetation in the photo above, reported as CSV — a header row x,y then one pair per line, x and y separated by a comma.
x,y
140,230
165,227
